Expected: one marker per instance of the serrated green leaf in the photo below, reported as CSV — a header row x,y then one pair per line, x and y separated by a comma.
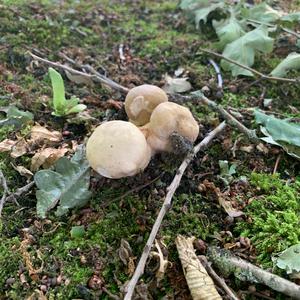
x,y
58,88
66,186
262,13
280,132
289,259
291,62
243,50
16,117
228,30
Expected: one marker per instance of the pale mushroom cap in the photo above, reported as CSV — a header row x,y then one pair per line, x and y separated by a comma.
x,y
166,119
141,101
118,149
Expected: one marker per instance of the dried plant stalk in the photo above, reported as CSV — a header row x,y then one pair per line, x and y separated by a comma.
x,y
199,282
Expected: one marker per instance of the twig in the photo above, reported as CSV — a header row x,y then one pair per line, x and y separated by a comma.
x,y
271,25
246,271
218,72
263,76
165,208
95,76
220,281
276,164
20,191
218,108
5,191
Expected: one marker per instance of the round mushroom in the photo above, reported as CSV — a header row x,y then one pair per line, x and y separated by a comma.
x,y
166,119
141,101
118,149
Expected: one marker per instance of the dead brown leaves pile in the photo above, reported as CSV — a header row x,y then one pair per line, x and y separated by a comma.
x,y
45,145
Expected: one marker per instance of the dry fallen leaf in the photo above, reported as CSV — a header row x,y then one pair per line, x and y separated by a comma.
x,y
23,171
46,158
40,133
176,85
16,148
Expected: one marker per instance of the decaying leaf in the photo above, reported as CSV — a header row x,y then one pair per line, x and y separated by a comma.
x,y
126,255
16,148
23,171
176,85
40,133
67,185
46,157
200,284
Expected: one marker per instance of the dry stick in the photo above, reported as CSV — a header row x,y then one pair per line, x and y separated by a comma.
x,y
220,281
20,191
247,271
96,76
5,191
263,76
165,208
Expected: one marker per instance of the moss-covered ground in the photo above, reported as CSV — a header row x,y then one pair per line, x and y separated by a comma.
x,y
41,257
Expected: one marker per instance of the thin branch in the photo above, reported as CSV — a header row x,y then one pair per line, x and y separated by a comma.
x,y
220,281
5,191
20,191
263,76
247,271
165,208
95,76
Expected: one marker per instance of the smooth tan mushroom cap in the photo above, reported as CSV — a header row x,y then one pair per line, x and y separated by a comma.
x,y
166,119
141,101
117,149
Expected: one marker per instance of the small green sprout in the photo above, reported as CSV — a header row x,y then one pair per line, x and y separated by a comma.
x,y
63,107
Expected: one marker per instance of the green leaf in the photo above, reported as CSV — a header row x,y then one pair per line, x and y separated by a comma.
x,y
280,132
66,186
192,4
16,117
289,259
77,231
201,14
76,109
228,30
59,100
293,17
243,50
291,62
262,13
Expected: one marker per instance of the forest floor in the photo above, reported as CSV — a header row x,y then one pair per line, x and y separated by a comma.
x,y
40,257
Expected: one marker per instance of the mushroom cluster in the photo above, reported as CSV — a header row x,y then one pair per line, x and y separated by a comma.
x,y
119,149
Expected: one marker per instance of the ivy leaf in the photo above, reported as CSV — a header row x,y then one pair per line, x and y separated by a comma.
x,y
66,185
280,132
243,50
291,62
293,17
289,259
16,117
262,13
228,30
201,14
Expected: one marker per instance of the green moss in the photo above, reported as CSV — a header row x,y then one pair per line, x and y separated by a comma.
x,y
274,216
9,260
